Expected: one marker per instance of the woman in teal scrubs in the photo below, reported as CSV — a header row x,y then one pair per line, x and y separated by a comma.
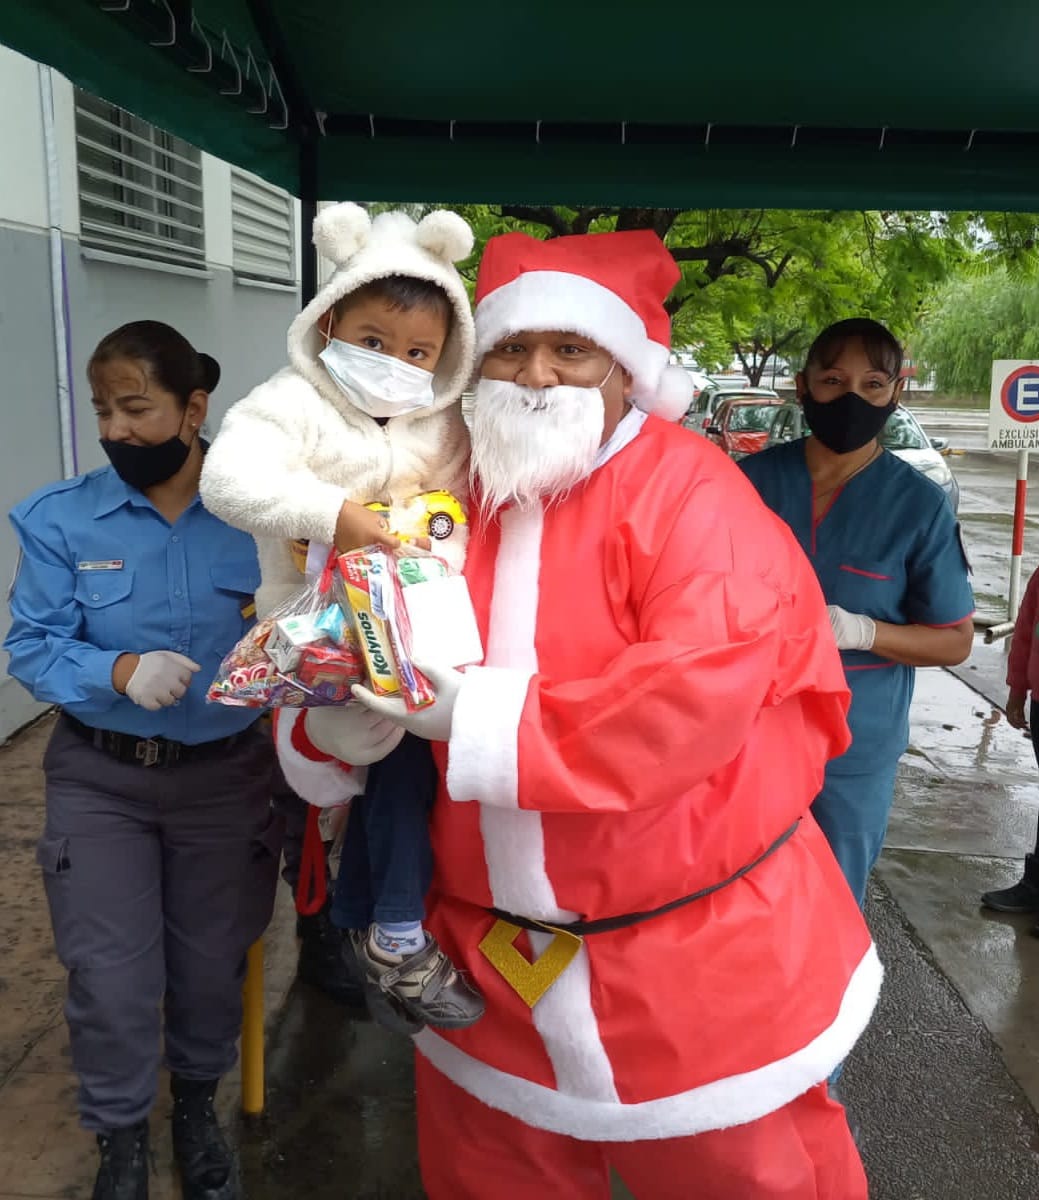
x,y
885,546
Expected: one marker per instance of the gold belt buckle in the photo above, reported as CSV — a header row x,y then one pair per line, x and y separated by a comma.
x,y
529,980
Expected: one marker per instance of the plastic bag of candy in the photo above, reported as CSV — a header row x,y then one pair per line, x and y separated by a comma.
x,y
406,605
304,654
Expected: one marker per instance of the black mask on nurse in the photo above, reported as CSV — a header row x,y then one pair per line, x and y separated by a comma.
x,y
143,467
847,422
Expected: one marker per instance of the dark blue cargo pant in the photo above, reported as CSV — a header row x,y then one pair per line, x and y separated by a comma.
x,y
853,811
158,881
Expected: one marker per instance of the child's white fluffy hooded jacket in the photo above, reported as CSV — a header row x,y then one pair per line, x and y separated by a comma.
x,y
295,448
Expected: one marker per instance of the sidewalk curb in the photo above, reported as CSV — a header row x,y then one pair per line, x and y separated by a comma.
x,y
980,685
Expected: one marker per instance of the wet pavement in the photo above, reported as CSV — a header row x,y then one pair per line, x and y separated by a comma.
x,y
943,1086
43,1152
987,484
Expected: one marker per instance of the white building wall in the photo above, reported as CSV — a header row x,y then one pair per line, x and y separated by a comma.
x,y
23,197
241,324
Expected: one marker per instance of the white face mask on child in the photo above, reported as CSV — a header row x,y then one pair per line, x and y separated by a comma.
x,y
378,384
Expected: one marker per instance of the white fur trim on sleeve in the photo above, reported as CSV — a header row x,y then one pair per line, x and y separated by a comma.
x,y
323,784
482,761
735,1100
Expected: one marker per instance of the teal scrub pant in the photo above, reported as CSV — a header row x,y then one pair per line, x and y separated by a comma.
x,y
852,811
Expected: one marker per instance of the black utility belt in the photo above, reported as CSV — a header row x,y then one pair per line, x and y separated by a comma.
x,y
150,752
609,924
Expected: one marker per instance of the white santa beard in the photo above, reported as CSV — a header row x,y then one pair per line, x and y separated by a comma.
x,y
531,444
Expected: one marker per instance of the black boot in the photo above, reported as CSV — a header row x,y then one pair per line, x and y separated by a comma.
x,y
322,962
1021,897
123,1173
207,1166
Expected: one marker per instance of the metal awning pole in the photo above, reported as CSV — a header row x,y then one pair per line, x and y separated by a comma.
x,y
308,213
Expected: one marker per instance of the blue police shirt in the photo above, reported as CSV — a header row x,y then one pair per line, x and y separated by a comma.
x,y
102,573
888,546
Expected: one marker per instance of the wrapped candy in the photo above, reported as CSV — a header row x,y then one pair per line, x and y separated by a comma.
x,y
329,671
362,621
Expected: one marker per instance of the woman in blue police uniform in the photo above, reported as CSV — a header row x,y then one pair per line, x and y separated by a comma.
x,y
885,545
160,852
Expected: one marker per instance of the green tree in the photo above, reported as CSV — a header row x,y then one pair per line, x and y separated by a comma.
x,y
977,318
757,284
761,283
834,265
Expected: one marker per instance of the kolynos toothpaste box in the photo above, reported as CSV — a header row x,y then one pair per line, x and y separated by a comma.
x,y
372,590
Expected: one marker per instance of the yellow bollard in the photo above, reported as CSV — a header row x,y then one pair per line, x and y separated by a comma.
x,y
252,1032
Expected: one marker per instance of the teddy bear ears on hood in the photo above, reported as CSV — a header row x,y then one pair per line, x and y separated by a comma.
x,y
342,230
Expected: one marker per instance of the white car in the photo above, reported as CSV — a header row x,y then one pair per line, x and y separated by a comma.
x,y
700,381
700,413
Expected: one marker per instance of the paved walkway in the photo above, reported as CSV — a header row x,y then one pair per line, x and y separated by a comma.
x,y
944,1085
43,1152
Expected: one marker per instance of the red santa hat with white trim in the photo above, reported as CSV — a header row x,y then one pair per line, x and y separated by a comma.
x,y
609,287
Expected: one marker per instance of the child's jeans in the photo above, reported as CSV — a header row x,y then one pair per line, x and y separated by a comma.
x,y
387,860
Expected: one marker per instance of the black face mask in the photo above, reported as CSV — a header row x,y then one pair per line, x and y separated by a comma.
x,y
847,422
143,467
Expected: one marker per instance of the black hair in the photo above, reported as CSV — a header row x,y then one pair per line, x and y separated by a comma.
x,y
882,348
170,358
403,292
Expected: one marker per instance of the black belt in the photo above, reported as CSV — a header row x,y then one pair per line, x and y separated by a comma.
x,y
150,752
609,924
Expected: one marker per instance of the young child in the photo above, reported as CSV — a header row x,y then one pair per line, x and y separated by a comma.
x,y
367,412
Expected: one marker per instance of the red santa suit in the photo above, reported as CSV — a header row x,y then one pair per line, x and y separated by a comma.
x,y
658,700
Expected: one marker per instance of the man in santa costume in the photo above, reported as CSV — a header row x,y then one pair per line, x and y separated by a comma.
x,y
625,860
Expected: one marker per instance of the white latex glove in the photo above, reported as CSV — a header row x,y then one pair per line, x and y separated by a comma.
x,y
160,678
433,722
351,733
853,631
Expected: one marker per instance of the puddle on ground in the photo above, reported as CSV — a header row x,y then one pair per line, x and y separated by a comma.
x,y
965,736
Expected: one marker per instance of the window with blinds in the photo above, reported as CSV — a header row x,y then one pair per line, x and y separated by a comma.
x,y
140,188
262,233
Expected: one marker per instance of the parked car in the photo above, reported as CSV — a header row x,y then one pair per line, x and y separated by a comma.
x,y
702,410
741,424
902,435
700,381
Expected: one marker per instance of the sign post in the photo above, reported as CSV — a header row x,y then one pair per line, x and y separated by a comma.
x,y
1013,424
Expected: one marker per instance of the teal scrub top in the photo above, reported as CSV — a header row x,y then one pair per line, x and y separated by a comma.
x,y
888,546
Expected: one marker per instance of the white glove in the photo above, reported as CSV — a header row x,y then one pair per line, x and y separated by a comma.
x,y
351,733
160,678
433,722
853,631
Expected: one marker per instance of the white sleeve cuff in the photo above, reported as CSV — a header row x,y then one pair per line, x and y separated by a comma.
x,y
482,761
324,784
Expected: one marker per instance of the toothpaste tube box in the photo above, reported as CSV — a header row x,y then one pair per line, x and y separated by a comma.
x,y
372,590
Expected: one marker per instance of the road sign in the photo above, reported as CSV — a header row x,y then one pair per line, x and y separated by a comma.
x,y
1013,424
1013,415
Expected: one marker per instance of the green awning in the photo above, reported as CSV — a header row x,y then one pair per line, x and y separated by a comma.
x,y
687,105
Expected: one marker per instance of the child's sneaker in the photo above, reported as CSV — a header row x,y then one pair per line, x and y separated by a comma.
x,y
423,989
